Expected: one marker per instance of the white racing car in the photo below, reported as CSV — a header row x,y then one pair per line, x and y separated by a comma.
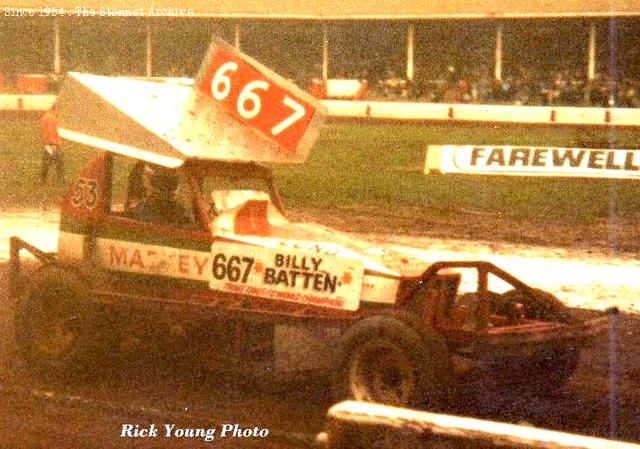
x,y
174,217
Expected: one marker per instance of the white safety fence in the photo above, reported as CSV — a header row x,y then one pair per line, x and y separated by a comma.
x,y
543,115
418,112
26,103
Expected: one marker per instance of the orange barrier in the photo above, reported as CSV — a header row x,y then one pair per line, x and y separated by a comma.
x,y
318,89
32,84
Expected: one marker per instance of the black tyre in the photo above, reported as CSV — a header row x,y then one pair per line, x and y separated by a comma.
x,y
548,368
56,331
393,359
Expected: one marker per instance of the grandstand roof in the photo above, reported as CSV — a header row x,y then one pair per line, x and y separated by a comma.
x,y
350,9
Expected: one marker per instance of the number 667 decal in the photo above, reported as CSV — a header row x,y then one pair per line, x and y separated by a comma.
x,y
253,98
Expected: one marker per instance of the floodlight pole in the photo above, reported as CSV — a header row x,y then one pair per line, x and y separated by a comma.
x,y
56,47
148,51
591,63
325,52
236,36
410,47
497,74
612,64
591,66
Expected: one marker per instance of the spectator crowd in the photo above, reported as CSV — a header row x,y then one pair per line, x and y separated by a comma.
x,y
524,87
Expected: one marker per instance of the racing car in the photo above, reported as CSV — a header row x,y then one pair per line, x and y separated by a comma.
x,y
227,265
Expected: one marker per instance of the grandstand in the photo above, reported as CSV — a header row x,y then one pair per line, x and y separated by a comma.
x,y
533,53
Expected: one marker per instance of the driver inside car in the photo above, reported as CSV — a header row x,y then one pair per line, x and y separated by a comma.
x,y
159,203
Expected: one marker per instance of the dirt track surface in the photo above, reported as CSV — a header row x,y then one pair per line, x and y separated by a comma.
x,y
144,388
605,235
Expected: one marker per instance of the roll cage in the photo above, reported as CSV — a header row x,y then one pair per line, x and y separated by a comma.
x,y
195,171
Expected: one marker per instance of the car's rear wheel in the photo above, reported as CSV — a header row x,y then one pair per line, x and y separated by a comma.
x,y
380,371
393,359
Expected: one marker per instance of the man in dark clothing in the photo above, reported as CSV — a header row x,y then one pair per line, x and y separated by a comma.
x,y
52,154
159,204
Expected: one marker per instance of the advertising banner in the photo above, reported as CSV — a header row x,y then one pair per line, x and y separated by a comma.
x,y
533,161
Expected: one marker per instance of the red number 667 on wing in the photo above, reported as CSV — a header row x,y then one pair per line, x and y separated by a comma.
x,y
257,98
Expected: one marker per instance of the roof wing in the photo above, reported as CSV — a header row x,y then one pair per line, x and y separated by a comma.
x,y
237,110
121,115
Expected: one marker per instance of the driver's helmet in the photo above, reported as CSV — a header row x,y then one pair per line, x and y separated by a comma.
x,y
160,179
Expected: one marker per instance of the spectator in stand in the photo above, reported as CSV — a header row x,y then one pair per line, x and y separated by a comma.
x,y
451,95
484,87
463,88
502,90
393,85
630,95
451,76
521,92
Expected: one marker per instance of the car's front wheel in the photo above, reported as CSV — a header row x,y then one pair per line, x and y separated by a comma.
x,y
56,331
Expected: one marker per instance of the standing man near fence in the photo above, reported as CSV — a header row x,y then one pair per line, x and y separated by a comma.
x,y
52,154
